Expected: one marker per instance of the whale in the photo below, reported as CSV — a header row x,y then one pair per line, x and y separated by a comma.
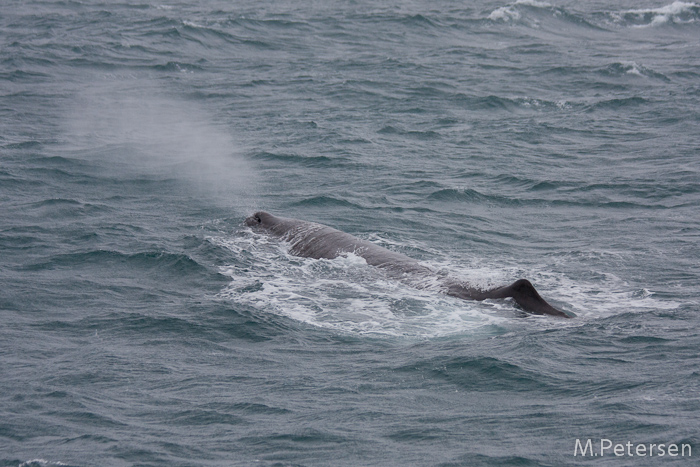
x,y
312,240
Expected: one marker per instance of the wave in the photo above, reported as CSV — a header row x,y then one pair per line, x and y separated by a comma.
x,y
675,13
171,264
304,161
457,195
33,144
619,69
475,373
512,12
618,103
42,463
534,13
510,104
327,201
203,417
178,67
568,194
256,23
421,135
62,208
22,76
215,35
418,20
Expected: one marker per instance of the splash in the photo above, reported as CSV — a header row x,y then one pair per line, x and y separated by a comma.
x,y
346,295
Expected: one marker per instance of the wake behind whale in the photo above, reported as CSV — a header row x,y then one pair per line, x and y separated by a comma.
x,y
312,240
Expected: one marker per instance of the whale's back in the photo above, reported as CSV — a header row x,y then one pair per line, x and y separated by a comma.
x,y
311,240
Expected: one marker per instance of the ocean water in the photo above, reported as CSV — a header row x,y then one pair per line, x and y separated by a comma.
x,y
141,324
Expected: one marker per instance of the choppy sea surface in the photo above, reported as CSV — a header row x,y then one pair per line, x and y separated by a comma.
x,y
142,324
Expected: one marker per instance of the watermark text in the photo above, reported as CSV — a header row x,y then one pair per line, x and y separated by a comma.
x,y
606,447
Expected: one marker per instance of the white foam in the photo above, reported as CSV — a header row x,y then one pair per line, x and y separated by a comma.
x,y
511,13
608,297
348,296
534,3
40,461
675,8
504,13
674,12
192,24
633,68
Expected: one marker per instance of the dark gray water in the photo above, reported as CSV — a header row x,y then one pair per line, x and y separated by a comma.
x,y
142,324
